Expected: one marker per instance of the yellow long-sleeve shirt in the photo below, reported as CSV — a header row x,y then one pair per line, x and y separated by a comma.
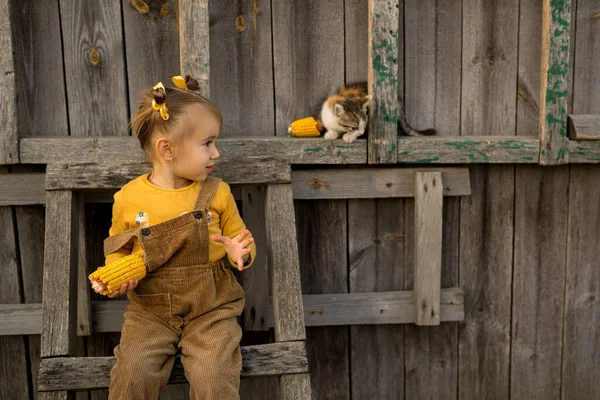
x,y
140,201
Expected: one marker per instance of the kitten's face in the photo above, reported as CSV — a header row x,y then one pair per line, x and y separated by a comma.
x,y
351,113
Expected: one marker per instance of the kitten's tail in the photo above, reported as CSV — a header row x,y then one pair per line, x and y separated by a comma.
x,y
406,128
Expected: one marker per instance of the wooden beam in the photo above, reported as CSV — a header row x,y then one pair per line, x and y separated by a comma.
x,y
29,189
383,81
59,310
468,150
83,176
9,137
584,127
127,150
374,183
554,143
285,265
194,49
84,373
20,189
428,247
584,152
319,310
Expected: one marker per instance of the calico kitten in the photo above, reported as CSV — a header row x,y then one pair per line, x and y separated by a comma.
x,y
345,112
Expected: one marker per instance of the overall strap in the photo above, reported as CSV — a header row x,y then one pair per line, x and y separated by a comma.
x,y
114,243
207,192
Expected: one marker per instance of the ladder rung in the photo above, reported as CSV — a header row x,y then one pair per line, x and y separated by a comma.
x,y
83,373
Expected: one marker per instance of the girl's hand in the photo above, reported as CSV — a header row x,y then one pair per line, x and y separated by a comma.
x,y
126,287
100,287
237,248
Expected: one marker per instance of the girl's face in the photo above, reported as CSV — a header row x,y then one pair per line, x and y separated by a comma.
x,y
197,156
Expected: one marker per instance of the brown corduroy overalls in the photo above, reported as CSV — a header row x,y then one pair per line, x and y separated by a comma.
x,y
184,303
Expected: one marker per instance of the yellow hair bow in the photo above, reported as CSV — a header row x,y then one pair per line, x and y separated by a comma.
x,y
179,81
162,108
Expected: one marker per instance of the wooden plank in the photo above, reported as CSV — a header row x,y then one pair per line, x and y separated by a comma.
x,y
555,66
127,149
584,127
486,253
13,363
81,373
528,80
428,247
59,308
283,258
361,308
151,45
383,82
474,149
433,66
258,314
92,35
241,51
22,189
9,136
322,233
376,256
376,352
194,49
295,387
84,310
30,230
432,100
584,152
298,31
306,184
586,78
489,62
541,206
431,352
39,72
105,176
375,183
582,296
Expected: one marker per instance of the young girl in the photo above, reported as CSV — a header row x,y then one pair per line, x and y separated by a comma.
x,y
187,298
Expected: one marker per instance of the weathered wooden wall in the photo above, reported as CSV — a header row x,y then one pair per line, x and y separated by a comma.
x,y
524,246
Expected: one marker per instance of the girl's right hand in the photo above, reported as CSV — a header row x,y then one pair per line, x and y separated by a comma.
x,y
126,287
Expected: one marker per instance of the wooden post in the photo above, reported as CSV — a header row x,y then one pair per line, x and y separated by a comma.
x,y
59,294
428,247
383,81
59,306
9,139
285,279
554,143
194,42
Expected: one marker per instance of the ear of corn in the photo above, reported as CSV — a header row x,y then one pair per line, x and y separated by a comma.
x,y
305,127
109,278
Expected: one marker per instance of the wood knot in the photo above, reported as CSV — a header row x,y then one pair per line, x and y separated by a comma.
x,y
94,57
475,60
240,22
491,61
141,6
425,188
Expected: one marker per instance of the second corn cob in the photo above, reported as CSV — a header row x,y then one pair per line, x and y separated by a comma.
x,y
305,127
109,278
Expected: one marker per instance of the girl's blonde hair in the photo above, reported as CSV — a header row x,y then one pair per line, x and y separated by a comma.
x,y
146,120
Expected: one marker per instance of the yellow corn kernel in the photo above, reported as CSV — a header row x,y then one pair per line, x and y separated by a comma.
x,y
113,275
305,127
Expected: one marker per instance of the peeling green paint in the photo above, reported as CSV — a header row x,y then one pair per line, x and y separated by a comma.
x,y
240,144
314,149
427,160
346,146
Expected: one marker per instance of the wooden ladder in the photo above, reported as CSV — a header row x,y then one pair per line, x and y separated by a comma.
x,y
61,372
